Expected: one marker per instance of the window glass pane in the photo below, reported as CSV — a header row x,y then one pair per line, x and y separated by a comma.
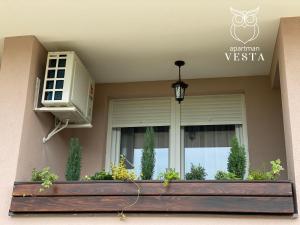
x,y
60,74
207,146
48,95
51,73
50,84
59,84
52,63
61,62
161,161
132,141
58,95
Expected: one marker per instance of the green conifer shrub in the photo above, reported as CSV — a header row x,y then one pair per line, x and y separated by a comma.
x,y
237,159
73,167
148,156
196,173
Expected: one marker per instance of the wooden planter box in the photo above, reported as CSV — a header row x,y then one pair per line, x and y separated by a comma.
x,y
179,197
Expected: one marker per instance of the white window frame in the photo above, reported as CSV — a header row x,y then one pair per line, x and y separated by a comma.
x,y
176,147
113,137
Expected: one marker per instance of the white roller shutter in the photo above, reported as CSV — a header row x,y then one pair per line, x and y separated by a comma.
x,y
140,112
212,109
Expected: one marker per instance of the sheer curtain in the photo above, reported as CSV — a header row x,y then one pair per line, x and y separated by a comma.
x,y
208,136
127,145
239,134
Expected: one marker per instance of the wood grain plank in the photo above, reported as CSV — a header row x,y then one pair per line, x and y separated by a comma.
x,y
155,188
163,204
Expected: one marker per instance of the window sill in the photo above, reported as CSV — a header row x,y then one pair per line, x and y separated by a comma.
x,y
244,197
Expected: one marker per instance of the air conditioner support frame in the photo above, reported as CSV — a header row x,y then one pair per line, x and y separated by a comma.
x,y
59,127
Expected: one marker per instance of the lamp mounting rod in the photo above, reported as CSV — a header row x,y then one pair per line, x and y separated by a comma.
x,y
179,63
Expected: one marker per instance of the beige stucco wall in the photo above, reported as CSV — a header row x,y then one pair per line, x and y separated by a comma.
x,y
23,60
289,70
263,111
14,83
33,153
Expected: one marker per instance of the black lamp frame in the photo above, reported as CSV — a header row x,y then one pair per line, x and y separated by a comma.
x,y
179,86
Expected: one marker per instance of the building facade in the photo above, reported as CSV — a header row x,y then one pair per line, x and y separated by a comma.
x,y
271,126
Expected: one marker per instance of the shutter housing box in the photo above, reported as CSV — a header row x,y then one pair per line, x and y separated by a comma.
x,y
212,110
140,112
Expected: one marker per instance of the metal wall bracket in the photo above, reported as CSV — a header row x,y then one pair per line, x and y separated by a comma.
x,y
59,127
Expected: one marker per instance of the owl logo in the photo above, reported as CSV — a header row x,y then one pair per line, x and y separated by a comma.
x,y
244,27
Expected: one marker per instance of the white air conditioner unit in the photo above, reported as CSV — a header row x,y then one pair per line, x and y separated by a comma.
x,y
67,83
67,92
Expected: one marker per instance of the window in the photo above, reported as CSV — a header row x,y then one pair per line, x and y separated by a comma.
x,y
131,146
198,131
208,146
